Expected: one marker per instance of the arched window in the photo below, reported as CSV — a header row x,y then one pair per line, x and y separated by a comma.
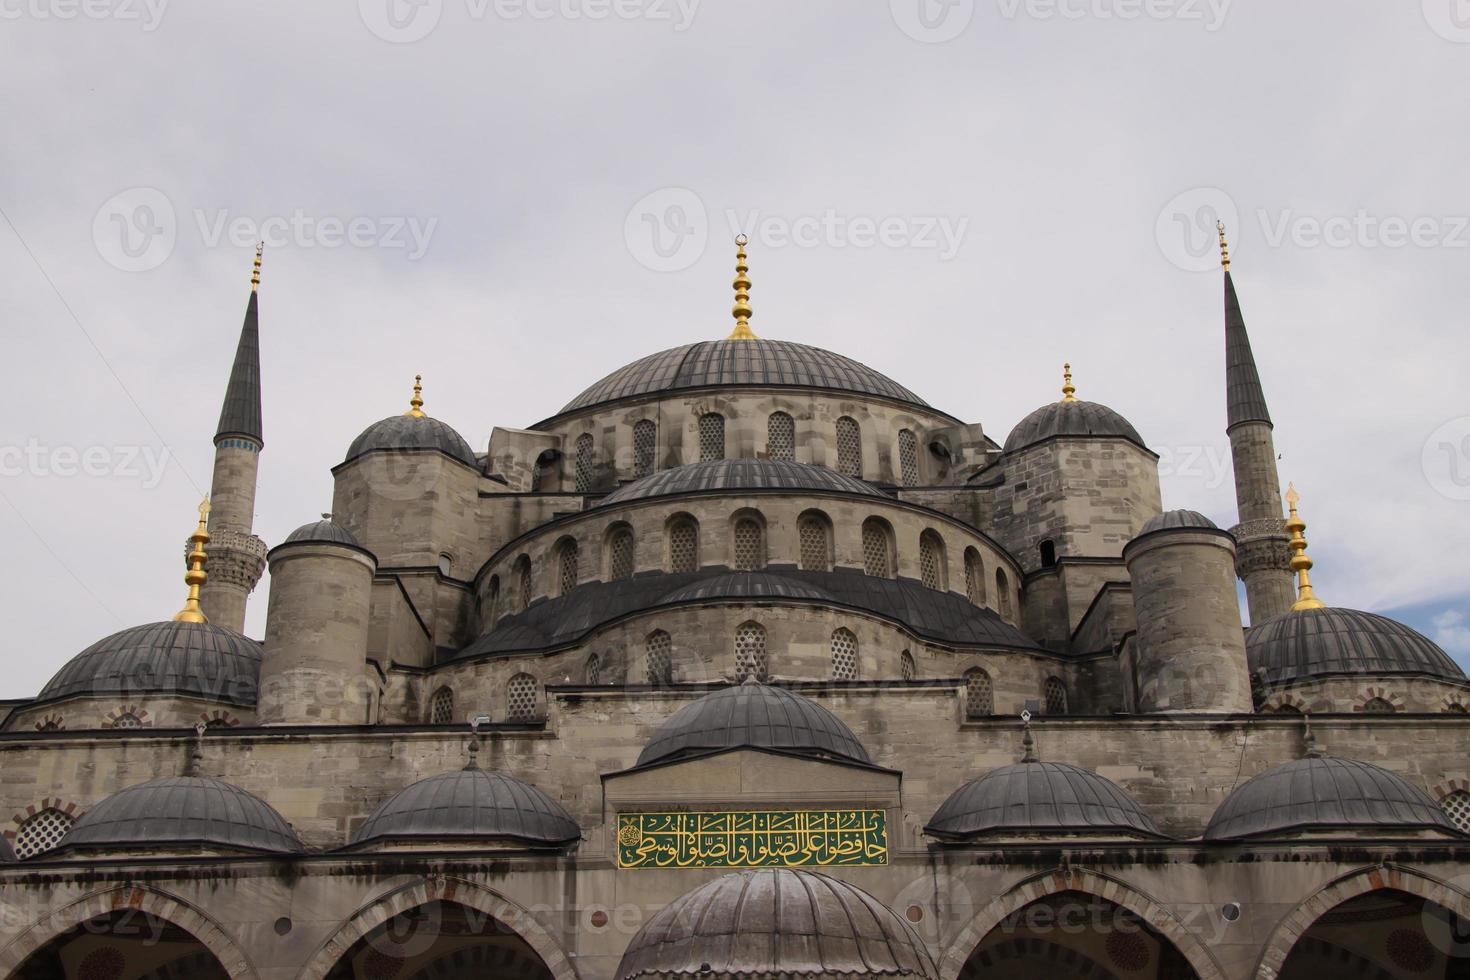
x,y
781,436
683,545
127,720
1048,553
586,470
844,655
877,548
1287,708
522,698
931,560
907,669
441,707
1055,696
523,583
659,650
1457,808
1003,593
51,724
645,446
908,458
750,545
711,436
750,652
979,694
814,535
1378,706
545,464
592,670
569,564
41,832
1454,708
620,554
494,600
849,447
974,577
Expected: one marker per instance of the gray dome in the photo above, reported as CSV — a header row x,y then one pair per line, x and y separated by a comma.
x,y
1077,418
1170,520
741,363
775,922
183,811
1325,642
323,532
753,715
399,432
1325,794
746,585
470,805
740,474
163,658
1040,797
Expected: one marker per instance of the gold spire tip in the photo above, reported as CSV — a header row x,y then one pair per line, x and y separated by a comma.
x,y
1301,563
1224,247
195,577
741,310
255,273
416,403
1069,390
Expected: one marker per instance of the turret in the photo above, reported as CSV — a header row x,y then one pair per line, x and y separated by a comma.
x,y
237,556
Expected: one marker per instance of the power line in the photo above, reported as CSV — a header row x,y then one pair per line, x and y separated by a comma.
x,y
59,560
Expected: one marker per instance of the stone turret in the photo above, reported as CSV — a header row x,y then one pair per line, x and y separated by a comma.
x,y
236,555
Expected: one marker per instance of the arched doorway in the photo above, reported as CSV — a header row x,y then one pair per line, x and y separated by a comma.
x,y
443,940
1384,933
1073,935
126,944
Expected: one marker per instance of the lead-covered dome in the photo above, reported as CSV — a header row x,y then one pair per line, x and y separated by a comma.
x,y
740,474
746,585
471,804
1323,794
775,923
1070,418
182,811
1040,798
324,531
1175,520
197,659
1327,642
405,432
753,715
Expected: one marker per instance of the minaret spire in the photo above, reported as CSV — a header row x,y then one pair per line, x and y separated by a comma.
x,y
741,311
1069,390
1301,563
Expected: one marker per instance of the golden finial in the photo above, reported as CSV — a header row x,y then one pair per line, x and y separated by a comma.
x,y
1300,563
416,403
741,310
1224,248
255,273
195,577
1069,390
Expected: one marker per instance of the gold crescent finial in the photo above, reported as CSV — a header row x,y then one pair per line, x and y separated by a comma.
x,y
255,273
1300,562
741,310
195,577
1224,247
1069,390
416,403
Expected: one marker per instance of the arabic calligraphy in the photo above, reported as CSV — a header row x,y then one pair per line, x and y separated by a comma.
x,y
752,839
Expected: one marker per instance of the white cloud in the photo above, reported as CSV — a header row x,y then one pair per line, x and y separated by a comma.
x,y
1452,632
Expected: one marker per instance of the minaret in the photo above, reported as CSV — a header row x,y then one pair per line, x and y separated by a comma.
x,y
236,556
1262,559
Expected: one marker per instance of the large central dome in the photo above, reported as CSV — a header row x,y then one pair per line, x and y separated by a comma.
x,y
712,363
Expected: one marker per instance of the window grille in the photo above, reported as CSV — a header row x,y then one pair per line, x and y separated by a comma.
x,y
750,652
441,707
660,652
876,551
1457,808
645,446
620,555
585,470
1378,706
41,833
906,667
127,720
1056,697
684,547
521,698
908,458
593,670
750,546
844,655
849,447
931,568
979,694
711,437
570,567
974,577
781,436
816,551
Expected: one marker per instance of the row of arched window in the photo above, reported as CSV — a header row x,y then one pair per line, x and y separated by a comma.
x,y
522,701
980,694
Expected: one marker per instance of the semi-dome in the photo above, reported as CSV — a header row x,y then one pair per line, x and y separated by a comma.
x,y
741,363
740,474
400,432
471,804
1317,794
746,585
1040,798
324,531
1326,642
775,922
197,659
183,811
1070,418
753,715
1177,520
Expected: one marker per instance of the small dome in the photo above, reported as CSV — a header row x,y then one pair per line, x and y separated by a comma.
x,y
399,432
322,532
740,474
775,922
183,811
753,715
471,804
1325,794
746,585
1173,519
197,659
1040,798
1326,642
1077,418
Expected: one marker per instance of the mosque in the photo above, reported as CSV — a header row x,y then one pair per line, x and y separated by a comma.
x,y
748,663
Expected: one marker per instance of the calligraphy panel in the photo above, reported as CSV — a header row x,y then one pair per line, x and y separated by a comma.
x,y
753,839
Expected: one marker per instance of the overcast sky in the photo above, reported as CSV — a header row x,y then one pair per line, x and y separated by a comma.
x,y
515,197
